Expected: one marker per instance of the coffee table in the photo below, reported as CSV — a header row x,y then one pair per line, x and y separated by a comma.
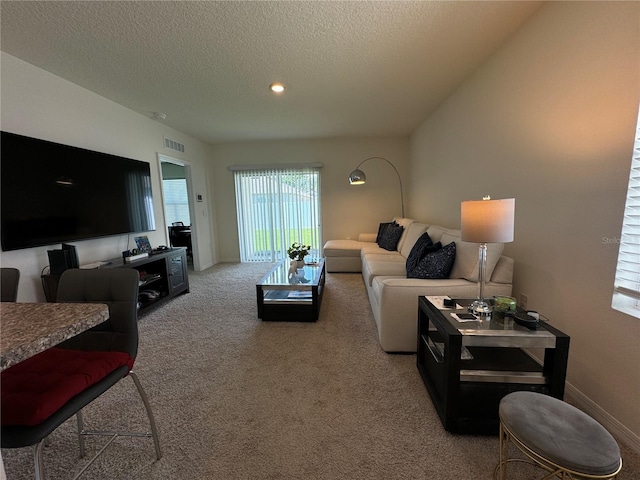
x,y
282,297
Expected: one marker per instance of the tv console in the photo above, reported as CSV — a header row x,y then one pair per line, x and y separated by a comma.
x,y
163,276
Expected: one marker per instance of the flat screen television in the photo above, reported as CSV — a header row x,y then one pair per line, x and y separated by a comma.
x,y
52,193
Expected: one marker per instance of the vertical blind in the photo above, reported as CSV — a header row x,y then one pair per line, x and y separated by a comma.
x,y
176,201
626,296
140,201
276,207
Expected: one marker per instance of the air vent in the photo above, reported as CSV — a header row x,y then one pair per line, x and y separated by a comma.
x,y
173,145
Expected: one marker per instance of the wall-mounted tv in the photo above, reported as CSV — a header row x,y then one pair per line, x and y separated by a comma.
x,y
52,193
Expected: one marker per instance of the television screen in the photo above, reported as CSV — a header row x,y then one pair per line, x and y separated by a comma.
x,y
52,193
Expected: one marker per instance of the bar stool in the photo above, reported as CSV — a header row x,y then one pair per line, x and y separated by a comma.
x,y
555,436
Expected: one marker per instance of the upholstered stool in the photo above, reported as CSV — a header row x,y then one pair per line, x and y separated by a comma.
x,y
555,436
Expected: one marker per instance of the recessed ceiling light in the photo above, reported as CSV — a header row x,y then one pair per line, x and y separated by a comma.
x,y
277,87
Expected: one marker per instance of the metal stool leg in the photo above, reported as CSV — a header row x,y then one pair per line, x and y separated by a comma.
x,y
147,406
38,462
81,443
500,471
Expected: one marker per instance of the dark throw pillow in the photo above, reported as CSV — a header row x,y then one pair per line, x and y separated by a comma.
x,y
437,264
381,229
414,269
391,237
417,252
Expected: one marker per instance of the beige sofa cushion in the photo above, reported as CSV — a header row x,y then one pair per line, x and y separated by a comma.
x,y
414,232
404,222
343,248
466,263
368,237
503,273
435,233
374,265
375,248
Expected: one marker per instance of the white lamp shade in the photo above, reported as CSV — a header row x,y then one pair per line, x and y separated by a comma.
x,y
488,221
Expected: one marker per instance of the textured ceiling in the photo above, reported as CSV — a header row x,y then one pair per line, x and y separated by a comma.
x,y
352,68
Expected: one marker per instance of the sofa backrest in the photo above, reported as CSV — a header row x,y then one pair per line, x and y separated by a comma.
x,y
405,222
465,264
435,232
503,273
467,258
411,236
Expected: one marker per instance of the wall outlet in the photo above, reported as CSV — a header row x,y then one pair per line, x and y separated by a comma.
x,y
524,300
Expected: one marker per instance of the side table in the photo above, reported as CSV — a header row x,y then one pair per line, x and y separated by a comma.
x,y
467,367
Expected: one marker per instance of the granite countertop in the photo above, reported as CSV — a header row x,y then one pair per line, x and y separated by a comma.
x,y
27,329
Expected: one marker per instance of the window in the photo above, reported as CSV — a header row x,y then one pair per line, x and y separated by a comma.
x,y
176,201
626,296
276,207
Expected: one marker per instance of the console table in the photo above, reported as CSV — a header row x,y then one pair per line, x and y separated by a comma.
x,y
163,275
467,367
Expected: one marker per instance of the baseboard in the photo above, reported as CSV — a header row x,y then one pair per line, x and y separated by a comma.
x,y
617,429
229,260
206,265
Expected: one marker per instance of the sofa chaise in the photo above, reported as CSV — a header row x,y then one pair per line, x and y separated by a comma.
x,y
394,297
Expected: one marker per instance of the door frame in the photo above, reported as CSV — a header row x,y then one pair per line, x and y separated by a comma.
x,y
162,158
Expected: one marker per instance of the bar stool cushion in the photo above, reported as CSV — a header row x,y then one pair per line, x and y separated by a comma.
x,y
560,433
34,389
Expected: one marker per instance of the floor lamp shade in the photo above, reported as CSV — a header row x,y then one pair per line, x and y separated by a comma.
x,y
357,177
486,221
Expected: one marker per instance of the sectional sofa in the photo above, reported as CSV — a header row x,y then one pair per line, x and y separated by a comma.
x,y
394,297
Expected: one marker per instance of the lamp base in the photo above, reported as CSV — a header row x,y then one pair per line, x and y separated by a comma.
x,y
481,308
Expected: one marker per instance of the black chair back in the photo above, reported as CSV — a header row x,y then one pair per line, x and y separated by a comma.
x,y
118,288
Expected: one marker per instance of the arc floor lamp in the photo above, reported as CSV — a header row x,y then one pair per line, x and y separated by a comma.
x,y
357,177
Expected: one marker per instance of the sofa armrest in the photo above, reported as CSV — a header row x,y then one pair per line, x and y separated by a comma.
x,y
367,237
394,301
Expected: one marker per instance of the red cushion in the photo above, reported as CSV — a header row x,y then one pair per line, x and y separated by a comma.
x,y
32,390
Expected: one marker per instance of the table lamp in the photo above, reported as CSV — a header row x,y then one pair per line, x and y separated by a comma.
x,y
486,221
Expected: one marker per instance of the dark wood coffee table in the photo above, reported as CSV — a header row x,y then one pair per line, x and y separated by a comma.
x,y
282,297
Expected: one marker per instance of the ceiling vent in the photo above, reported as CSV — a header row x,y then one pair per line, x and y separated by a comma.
x,y
173,145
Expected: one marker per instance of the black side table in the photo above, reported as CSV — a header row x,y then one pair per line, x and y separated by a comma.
x,y
467,367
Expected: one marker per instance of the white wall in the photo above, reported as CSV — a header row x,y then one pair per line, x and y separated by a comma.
x,y
38,104
550,120
346,209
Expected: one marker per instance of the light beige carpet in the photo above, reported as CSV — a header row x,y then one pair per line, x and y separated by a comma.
x,y
237,398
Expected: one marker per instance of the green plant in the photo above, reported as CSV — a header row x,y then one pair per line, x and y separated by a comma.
x,y
297,251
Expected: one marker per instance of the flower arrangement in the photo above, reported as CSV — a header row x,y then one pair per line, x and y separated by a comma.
x,y
297,251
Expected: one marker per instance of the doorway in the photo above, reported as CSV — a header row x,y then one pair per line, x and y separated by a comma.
x,y
177,202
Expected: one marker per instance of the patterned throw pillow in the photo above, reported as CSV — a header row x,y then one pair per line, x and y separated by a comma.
x,y
418,250
437,264
391,237
381,229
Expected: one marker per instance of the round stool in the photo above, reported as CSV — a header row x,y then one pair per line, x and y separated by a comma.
x,y
555,436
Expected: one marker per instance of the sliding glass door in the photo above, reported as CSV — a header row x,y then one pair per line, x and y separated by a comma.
x,y
276,207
